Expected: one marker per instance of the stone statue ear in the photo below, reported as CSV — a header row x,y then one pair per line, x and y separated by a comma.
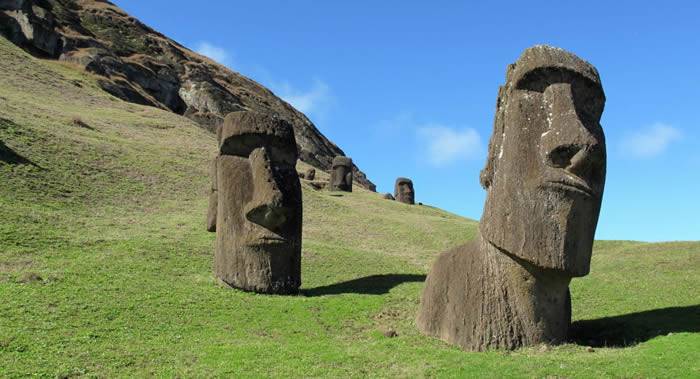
x,y
219,129
485,177
487,174
213,197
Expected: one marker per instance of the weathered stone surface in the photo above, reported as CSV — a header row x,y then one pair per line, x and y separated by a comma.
x,y
548,144
259,205
30,27
403,191
310,174
388,196
140,65
341,175
318,185
480,298
213,197
544,177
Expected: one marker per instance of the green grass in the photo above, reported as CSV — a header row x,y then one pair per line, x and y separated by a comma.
x,y
105,266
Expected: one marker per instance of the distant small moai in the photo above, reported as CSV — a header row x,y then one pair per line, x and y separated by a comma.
x,y
310,174
341,174
403,191
255,205
544,178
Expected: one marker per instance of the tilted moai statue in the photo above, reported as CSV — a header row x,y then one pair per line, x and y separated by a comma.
x,y
544,177
403,191
341,174
257,205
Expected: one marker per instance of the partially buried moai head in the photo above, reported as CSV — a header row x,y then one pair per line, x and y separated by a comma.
x,y
403,191
310,174
545,170
259,216
341,174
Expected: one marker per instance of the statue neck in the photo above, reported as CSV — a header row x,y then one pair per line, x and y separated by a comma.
x,y
535,302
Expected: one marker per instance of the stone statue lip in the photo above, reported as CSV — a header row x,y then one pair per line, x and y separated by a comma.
x,y
571,184
268,241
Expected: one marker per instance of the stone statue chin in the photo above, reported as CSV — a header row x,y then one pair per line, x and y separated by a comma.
x,y
544,177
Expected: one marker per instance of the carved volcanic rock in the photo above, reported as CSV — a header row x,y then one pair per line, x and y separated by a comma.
x,y
341,174
140,65
403,191
544,178
258,208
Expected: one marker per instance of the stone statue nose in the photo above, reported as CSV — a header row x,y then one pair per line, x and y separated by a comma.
x,y
266,207
567,144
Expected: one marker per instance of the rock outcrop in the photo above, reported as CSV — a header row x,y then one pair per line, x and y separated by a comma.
x,y
140,65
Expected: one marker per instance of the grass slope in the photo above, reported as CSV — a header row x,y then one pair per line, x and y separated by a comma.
x,y
105,266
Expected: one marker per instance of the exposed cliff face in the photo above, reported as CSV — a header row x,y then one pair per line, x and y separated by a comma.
x,y
140,65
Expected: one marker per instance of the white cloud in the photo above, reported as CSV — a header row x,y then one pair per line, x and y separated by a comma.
x,y
316,100
445,145
214,52
651,141
395,124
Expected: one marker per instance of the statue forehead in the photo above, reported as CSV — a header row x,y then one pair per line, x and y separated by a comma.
x,y
550,60
404,181
342,161
243,131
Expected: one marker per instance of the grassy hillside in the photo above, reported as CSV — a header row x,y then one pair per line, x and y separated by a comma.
x,y
105,266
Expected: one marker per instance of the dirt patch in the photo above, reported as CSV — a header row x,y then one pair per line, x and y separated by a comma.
x,y
29,277
16,266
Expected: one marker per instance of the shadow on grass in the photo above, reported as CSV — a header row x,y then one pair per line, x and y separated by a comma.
x,y
634,328
9,156
369,285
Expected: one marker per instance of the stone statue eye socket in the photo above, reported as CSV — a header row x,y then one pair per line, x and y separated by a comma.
x,y
244,144
539,79
588,96
282,156
590,107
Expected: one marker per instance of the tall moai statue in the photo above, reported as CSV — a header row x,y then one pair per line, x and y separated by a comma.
x,y
341,174
544,178
256,203
403,191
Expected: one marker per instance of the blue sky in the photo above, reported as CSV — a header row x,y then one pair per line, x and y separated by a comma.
x,y
408,88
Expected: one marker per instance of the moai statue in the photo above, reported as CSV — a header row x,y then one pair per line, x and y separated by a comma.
x,y
403,191
388,196
341,174
258,205
310,174
544,178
